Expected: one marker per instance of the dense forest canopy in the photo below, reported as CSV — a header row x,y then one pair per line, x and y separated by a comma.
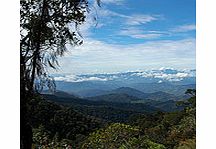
x,y
58,124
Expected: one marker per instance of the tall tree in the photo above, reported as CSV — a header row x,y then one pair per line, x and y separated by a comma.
x,y
46,28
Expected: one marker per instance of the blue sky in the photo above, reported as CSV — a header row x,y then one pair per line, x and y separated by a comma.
x,y
130,35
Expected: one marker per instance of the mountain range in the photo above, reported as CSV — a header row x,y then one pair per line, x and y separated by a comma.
x,y
124,93
166,80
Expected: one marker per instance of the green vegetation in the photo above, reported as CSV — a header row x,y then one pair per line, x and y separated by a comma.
x,y
172,129
61,126
55,125
110,111
119,136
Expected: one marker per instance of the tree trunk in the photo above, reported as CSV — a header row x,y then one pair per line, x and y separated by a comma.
x,y
27,89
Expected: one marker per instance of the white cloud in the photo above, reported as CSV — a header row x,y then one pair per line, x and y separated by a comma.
x,y
92,79
96,56
184,28
140,34
137,32
116,2
160,81
131,20
74,78
141,19
171,77
105,17
108,13
146,36
67,78
161,74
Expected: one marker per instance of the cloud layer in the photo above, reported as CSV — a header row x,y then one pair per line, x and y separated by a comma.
x,y
165,74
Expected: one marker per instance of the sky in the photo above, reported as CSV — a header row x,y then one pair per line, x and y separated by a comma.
x,y
130,35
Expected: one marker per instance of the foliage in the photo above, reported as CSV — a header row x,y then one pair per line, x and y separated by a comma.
x,y
59,125
187,144
141,143
111,137
109,111
119,136
41,135
47,27
171,128
53,123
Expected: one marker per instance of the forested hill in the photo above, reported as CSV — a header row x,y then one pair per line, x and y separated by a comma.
x,y
60,121
110,111
59,124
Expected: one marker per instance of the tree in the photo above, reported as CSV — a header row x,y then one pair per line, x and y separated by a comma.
x,y
46,28
191,102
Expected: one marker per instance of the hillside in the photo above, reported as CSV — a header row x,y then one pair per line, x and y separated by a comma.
x,y
110,111
129,91
59,93
115,97
52,122
90,92
127,94
177,90
79,121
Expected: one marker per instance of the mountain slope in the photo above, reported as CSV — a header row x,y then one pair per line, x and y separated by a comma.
x,y
59,93
117,95
119,98
128,91
90,92
160,96
177,90
110,111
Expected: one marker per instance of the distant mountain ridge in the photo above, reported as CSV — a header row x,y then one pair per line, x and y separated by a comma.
x,y
130,91
159,95
90,89
167,80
